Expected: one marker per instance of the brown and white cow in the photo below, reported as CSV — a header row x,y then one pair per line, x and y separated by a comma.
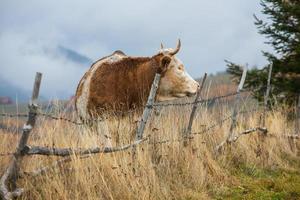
x,y
119,82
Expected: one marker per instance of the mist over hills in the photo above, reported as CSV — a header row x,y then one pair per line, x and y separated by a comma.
x,y
9,89
73,56
12,91
17,93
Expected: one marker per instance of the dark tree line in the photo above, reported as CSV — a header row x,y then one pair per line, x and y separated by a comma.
x,y
282,30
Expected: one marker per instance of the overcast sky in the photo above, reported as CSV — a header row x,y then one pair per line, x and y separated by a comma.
x,y
33,34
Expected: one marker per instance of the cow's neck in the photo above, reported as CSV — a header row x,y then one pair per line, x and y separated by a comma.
x,y
145,75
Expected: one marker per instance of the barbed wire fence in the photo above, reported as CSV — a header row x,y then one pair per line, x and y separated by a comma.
x,y
8,187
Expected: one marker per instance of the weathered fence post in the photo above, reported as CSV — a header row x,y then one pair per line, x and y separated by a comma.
x,y
297,125
236,103
146,114
235,110
195,105
148,107
267,94
10,176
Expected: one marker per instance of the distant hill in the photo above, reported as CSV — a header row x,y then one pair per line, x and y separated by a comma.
x,y
73,56
12,91
218,78
66,53
218,84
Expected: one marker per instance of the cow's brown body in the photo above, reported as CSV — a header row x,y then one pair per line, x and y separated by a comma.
x,y
119,83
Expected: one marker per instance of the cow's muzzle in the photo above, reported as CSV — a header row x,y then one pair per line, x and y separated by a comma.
x,y
190,94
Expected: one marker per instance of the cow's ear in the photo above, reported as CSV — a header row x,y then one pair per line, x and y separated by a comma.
x,y
164,63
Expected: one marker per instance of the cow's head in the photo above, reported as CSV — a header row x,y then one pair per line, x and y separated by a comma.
x,y
175,81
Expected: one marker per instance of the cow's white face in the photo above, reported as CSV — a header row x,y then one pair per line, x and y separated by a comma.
x,y
176,82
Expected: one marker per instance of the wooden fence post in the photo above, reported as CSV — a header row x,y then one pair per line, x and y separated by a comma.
x,y
236,103
235,111
148,107
267,94
10,176
145,116
195,105
297,125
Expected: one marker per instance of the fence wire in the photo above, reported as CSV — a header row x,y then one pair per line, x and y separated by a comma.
x,y
5,154
204,131
60,118
13,115
53,117
76,122
190,137
209,100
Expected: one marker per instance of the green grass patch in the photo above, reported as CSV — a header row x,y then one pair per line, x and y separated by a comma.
x,y
257,183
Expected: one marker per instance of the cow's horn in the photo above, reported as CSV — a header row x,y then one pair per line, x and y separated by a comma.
x,y
177,48
161,46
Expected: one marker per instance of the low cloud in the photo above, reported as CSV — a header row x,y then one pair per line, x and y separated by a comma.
x,y
37,36
21,58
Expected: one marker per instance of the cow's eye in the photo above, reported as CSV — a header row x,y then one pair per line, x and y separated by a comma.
x,y
180,68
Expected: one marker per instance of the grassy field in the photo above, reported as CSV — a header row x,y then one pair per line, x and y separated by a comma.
x,y
254,167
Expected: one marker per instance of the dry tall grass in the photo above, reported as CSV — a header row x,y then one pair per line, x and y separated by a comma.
x,y
163,171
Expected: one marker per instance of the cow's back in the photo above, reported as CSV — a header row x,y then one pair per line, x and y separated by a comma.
x,y
83,92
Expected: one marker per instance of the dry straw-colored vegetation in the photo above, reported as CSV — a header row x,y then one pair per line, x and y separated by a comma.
x,y
250,168
163,171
